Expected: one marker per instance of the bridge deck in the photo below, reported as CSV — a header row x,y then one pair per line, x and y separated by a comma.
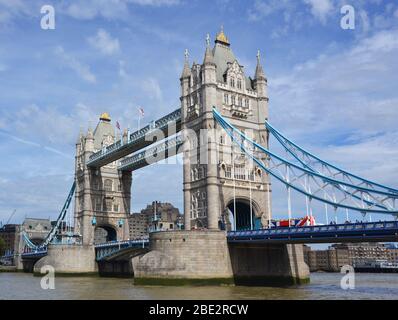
x,y
161,151
137,140
350,232
113,250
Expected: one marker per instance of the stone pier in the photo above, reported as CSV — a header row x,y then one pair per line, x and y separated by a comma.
x,y
69,260
205,257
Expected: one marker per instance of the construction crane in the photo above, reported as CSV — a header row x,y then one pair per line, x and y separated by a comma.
x,y
12,214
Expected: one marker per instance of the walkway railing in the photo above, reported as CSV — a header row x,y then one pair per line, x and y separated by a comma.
x,y
151,155
334,233
135,140
108,249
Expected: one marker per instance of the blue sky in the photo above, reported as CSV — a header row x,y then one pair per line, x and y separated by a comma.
x,y
331,90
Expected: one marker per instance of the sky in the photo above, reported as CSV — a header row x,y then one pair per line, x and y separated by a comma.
x,y
332,91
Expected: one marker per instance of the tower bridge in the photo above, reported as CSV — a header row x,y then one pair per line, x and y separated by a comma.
x,y
227,193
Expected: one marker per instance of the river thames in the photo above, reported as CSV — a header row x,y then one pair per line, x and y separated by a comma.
x,y
322,286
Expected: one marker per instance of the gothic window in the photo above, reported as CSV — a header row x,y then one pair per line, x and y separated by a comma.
x,y
251,175
247,103
240,101
228,172
97,205
108,205
116,207
233,100
240,172
239,84
96,184
232,82
225,98
108,185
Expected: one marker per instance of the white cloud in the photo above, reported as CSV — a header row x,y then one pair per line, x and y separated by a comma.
x,y
104,42
109,9
344,106
46,125
156,3
262,9
152,88
12,9
320,9
81,69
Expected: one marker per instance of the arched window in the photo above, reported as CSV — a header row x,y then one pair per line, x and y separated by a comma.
x,y
239,84
233,100
225,98
240,101
97,205
232,82
116,207
96,184
108,185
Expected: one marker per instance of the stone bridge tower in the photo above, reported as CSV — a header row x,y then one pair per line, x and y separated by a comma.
x,y
102,196
219,181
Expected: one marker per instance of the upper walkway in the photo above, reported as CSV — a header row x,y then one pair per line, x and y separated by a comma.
x,y
168,125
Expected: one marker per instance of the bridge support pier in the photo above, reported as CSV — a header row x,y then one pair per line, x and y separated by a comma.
x,y
205,257
268,264
69,259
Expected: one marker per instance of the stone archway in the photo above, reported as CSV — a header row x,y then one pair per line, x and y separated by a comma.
x,y
243,220
104,233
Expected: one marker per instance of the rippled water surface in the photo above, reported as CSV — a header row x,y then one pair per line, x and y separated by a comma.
x,y
322,286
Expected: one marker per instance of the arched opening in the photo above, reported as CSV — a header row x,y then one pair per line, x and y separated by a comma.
x,y
243,219
104,234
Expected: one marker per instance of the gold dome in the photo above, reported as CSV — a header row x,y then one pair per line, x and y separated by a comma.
x,y
105,117
221,37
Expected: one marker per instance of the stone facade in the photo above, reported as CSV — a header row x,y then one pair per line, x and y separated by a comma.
x,y
102,197
213,173
36,229
69,259
178,257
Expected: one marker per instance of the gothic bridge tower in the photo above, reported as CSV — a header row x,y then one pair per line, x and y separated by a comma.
x,y
227,184
102,196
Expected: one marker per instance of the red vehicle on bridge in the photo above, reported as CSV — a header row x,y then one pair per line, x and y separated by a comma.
x,y
294,222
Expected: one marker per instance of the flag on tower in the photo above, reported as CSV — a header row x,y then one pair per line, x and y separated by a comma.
x,y
141,110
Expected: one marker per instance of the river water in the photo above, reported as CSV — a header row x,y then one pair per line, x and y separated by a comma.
x,y
322,286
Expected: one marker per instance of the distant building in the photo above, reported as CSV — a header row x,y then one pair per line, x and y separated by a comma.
x,y
138,224
10,233
158,216
338,255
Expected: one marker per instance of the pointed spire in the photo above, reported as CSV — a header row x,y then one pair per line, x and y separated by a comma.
x,y
208,54
79,138
222,38
186,72
259,69
90,134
